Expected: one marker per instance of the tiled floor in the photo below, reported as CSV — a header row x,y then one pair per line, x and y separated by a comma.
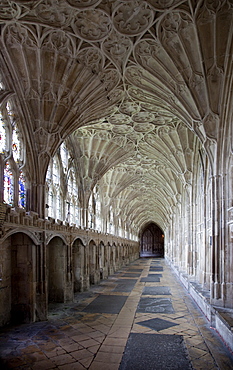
x,y
92,332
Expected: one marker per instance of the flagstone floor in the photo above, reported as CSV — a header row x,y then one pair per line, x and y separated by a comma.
x,y
140,318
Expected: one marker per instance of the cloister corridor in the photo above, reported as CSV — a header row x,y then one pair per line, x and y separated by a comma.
x,y
116,184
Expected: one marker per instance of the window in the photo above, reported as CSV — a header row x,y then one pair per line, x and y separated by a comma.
x,y
22,190
8,185
64,156
11,150
2,135
16,145
62,190
53,192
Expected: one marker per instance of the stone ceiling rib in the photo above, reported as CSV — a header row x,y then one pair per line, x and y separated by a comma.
x,y
136,88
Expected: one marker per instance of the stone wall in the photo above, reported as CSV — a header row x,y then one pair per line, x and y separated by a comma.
x,y
42,261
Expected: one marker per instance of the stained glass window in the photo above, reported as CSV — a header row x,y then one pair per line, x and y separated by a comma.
x,y
8,185
72,211
2,135
22,190
64,156
77,214
16,145
75,188
56,177
10,112
63,202
70,184
53,181
49,173
90,213
58,207
50,204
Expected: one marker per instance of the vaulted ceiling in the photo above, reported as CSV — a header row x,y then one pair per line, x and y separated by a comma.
x,y
137,87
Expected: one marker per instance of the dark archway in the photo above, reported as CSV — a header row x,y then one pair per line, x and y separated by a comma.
x,y
56,262
23,279
79,265
152,241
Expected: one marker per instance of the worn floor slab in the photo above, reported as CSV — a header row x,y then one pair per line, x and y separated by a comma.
x,y
94,332
156,352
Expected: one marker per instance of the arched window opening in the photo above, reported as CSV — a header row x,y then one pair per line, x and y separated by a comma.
x,y
110,224
64,156
3,142
58,214
55,172
22,190
62,189
10,112
49,173
98,218
8,185
90,213
72,199
16,145
11,149
50,203
53,186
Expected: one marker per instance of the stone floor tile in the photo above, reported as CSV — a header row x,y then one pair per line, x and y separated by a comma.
x,y
34,357
14,362
119,333
80,337
73,366
30,349
115,341
96,334
63,359
88,343
103,366
141,329
86,330
54,352
42,365
196,352
104,335
100,339
86,362
194,341
46,346
108,357
124,322
204,363
66,341
94,349
83,353
72,347
112,349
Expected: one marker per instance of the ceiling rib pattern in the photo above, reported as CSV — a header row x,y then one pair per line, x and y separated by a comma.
x,y
137,86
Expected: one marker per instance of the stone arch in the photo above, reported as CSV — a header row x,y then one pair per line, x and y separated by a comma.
x,y
102,260
56,268
33,236
117,257
110,259
152,241
22,266
93,263
52,236
79,265
114,256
